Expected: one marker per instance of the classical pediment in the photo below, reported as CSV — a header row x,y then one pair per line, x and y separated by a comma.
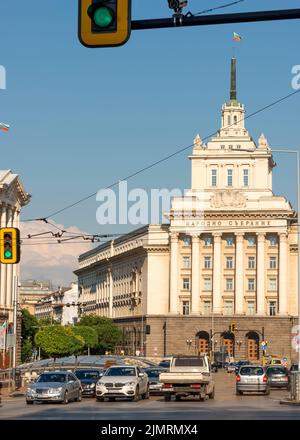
x,y
12,191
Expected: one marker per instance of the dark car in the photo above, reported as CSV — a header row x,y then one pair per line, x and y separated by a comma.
x,y
165,363
239,364
278,376
155,386
88,378
294,367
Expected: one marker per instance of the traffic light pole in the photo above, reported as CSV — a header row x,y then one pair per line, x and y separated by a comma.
x,y
179,20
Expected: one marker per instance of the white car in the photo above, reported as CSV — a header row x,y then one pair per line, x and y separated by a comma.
x,y
123,381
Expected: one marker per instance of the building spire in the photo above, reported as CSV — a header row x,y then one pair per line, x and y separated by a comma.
x,y
233,94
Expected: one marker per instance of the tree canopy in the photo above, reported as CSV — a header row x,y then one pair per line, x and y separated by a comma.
x,y
109,334
57,341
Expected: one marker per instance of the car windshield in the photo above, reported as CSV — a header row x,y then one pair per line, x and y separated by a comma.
x,y
51,377
276,370
88,375
120,371
154,374
251,371
189,362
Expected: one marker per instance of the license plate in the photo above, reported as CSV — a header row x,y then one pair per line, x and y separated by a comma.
x,y
41,396
111,391
252,380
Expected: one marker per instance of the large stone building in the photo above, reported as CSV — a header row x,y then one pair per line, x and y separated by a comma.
x,y
228,255
30,291
12,198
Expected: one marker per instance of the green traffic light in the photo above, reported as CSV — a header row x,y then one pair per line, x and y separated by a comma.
x,y
7,254
103,17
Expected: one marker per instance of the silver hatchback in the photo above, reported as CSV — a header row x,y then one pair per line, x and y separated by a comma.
x,y
252,378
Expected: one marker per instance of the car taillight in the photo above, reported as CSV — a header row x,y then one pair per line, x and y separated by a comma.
x,y
167,385
195,385
265,379
238,378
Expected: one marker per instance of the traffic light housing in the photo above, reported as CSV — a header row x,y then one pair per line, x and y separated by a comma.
x,y
104,23
232,327
9,245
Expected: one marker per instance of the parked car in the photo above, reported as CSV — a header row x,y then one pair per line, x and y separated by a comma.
x,y
55,386
231,367
239,364
294,367
165,363
278,376
123,381
252,378
88,379
155,386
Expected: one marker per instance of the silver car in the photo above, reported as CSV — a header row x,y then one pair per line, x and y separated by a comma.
x,y
252,378
123,381
56,386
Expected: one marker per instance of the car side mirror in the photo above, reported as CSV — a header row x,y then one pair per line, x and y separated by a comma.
x,y
141,374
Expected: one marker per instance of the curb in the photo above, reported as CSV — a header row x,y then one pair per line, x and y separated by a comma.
x,y
289,402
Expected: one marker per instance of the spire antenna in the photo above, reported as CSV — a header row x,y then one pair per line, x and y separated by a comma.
x,y
233,93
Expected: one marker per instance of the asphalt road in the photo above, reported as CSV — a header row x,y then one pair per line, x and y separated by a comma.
x,y
225,406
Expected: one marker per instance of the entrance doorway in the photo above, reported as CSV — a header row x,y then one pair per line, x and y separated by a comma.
x,y
252,346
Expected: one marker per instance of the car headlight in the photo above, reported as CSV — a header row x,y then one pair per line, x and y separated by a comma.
x,y
55,390
30,391
131,384
92,385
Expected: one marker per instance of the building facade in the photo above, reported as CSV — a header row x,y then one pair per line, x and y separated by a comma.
x,y
30,291
12,198
228,255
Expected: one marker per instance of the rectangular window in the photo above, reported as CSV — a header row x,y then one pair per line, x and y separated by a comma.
x,y
207,307
186,262
207,240
229,284
214,177
229,262
251,284
273,240
207,284
251,308
273,284
251,240
229,177
272,308
228,308
185,307
251,262
207,262
186,240
229,240
273,263
246,177
186,284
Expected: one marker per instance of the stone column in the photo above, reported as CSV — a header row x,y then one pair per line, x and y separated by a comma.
x,y
174,274
110,291
217,271
260,274
195,274
283,278
239,273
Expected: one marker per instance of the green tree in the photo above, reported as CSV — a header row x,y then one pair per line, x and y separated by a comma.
x,y
57,341
89,334
28,331
109,334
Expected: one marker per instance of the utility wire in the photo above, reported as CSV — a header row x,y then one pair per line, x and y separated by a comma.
x,y
164,159
227,5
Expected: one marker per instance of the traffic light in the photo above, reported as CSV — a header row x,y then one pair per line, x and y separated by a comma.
x,y
232,327
104,23
9,245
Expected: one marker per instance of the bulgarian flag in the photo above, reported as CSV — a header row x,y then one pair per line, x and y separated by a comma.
x,y
4,127
3,327
236,37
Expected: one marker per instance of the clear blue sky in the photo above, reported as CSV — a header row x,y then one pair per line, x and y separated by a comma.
x,y
82,118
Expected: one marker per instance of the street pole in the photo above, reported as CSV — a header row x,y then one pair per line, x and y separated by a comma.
x,y
15,305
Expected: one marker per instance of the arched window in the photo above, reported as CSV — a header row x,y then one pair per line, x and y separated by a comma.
x,y
203,342
228,120
235,120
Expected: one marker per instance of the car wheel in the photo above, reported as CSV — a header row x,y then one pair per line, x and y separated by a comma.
x,y
79,398
168,397
111,399
239,393
267,392
99,399
212,394
136,397
146,395
177,398
29,402
66,398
